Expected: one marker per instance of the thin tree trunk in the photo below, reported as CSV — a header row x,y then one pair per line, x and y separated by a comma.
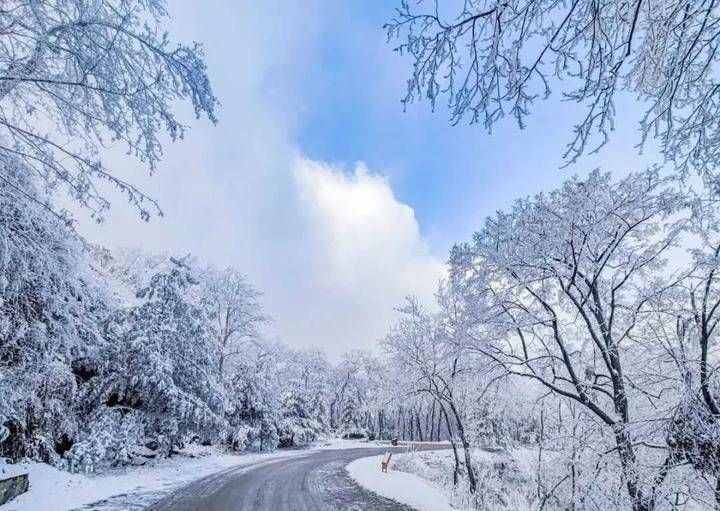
x,y
432,421
628,462
466,448
426,417
380,424
541,444
456,470
439,426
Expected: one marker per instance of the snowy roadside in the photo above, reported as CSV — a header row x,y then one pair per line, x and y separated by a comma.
x,y
340,443
138,487
402,487
423,479
55,489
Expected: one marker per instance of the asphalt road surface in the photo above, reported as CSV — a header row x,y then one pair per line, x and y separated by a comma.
x,y
316,482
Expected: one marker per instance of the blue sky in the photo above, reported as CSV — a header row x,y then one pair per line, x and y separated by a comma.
x,y
317,184
452,176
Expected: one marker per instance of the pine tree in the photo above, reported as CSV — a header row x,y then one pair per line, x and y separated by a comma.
x,y
160,384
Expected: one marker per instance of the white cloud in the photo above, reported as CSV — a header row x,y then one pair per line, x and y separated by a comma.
x,y
367,241
366,254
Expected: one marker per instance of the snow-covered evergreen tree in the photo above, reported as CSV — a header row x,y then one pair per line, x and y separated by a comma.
x,y
159,383
50,304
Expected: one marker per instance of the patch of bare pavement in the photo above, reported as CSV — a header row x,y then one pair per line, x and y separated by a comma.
x,y
316,482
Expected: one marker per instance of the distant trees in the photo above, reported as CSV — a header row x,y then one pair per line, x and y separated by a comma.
x,y
234,312
75,74
492,59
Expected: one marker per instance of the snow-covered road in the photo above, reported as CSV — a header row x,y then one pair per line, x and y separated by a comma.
x,y
317,481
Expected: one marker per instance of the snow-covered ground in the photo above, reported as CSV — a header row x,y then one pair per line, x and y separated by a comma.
x,y
403,487
138,485
505,479
339,443
58,490
423,479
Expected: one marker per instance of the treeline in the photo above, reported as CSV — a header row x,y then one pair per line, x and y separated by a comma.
x,y
108,357
111,357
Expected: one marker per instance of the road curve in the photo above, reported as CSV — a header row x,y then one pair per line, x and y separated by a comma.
x,y
315,482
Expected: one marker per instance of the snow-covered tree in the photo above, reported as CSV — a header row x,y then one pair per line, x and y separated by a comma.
x,y
560,289
495,58
51,303
159,380
354,376
434,365
234,311
296,426
254,391
75,74
685,320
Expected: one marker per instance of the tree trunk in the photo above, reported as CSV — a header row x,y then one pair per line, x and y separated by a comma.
x,y
419,427
456,470
380,424
628,462
466,448
439,426
432,421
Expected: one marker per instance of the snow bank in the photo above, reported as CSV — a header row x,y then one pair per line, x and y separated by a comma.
x,y
401,487
9,470
341,443
58,490
505,479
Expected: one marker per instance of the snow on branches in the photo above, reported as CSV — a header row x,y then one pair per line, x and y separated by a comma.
x,y
496,58
590,313
75,74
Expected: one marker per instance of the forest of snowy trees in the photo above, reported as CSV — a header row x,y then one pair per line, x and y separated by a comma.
x,y
113,356
580,323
